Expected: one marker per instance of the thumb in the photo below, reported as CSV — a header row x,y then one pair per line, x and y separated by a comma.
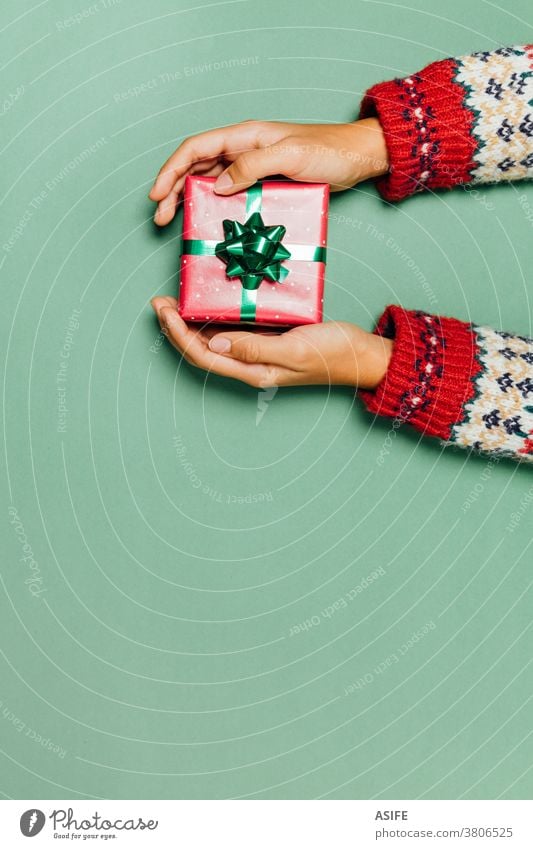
x,y
250,167
252,347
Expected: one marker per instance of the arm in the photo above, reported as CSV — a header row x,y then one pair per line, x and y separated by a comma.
x,y
472,386
463,120
469,386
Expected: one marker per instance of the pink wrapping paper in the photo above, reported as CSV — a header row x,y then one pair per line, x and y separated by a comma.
x,y
207,294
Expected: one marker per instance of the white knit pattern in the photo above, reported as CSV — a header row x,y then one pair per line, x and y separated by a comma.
x,y
499,91
499,419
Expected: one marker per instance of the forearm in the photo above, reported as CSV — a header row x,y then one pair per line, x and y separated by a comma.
x,y
462,120
467,385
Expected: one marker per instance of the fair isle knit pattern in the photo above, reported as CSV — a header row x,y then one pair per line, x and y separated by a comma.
x,y
469,386
457,121
499,418
499,92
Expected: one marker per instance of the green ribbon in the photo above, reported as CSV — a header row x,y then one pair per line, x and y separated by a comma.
x,y
253,251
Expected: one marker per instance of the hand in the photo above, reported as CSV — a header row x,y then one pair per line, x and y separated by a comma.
x,y
330,353
339,154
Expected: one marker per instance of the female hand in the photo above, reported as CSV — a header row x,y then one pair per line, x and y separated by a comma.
x,y
339,154
330,353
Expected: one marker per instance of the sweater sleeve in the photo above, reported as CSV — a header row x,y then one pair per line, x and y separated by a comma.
x,y
463,120
470,386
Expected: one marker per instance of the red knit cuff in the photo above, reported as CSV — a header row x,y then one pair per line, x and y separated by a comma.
x,y
431,372
427,130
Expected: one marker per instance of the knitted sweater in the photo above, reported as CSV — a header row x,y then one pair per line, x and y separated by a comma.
x,y
465,120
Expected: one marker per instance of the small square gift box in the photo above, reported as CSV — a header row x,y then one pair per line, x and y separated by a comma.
x,y
257,256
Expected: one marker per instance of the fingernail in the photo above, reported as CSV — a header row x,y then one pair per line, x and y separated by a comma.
x,y
223,183
165,315
220,345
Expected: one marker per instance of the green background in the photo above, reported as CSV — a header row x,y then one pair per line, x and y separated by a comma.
x,y
182,525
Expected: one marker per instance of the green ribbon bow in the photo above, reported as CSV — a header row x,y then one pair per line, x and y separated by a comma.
x,y
253,251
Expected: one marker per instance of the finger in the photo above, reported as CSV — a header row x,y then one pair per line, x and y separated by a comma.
x,y
161,301
166,208
208,145
281,350
204,332
215,170
190,344
212,329
253,165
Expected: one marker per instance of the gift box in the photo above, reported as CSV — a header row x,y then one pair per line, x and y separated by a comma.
x,y
257,256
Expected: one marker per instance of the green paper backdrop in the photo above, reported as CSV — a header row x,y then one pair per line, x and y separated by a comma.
x,y
209,591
